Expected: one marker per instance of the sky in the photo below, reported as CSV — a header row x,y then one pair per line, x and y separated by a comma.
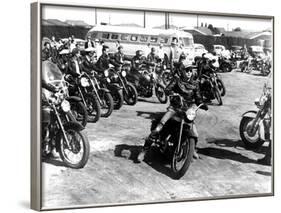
x,y
152,18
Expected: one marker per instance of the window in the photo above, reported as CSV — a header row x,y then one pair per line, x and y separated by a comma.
x,y
124,37
114,36
153,39
143,38
134,38
164,40
105,35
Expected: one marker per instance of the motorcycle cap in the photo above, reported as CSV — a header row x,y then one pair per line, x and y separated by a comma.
x,y
90,49
64,52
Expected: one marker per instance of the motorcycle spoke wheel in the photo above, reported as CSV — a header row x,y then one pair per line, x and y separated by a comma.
x,y
93,107
181,160
77,153
106,104
160,94
132,97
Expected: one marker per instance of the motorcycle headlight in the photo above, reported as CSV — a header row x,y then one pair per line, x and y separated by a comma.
x,y
190,114
106,73
84,82
65,106
123,73
108,80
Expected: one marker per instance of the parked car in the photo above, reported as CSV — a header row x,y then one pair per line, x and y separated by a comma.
x,y
199,49
220,50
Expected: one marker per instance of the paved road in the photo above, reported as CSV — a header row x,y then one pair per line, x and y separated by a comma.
x,y
113,176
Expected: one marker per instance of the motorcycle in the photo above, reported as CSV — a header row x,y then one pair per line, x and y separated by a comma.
x,y
91,85
255,124
177,138
108,80
129,91
77,106
148,82
212,87
60,130
226,65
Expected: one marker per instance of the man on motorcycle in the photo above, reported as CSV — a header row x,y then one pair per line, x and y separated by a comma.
x,y
119,56
104,60
183,84
137,63
88,64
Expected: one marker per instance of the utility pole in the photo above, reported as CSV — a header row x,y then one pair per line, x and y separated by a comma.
x,y
144,19
197,16
96,16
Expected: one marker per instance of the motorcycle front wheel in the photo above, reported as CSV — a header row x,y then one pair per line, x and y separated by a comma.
x,y
77,153
132,97
79,112
221,87
106,104
182,160
251,141
160,94
217,95
93,107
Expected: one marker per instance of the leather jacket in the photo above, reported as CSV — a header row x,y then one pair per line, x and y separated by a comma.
x,y
189,90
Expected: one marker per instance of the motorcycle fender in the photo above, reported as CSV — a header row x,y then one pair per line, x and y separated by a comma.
x,y
104,90
250,114
73,125
74,98
192,131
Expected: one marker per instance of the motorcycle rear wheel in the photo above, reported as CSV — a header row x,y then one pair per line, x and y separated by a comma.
x,y
66,153
181,161
160,94
253,142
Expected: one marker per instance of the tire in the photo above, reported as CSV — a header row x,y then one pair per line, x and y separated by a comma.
x,y
160,94
218,96
79,111
166,78
107,105
132,97
71,132
247,140
226,67
187,148
93,107
118,98
221,87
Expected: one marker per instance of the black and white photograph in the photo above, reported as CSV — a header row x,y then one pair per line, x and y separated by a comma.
x,y
150,106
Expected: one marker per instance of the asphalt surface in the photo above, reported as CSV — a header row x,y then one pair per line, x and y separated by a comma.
x,y
112,175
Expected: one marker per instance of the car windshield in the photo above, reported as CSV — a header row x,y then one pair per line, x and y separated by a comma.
x,y
50,72
188,42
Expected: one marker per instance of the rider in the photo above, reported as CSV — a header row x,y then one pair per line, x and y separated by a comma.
x,y
104,60
183,84
88,64
119,56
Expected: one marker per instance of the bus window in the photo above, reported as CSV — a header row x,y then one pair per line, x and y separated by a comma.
x,y
153,39
143,38
114,36
124,37
105,35
164,40
134,38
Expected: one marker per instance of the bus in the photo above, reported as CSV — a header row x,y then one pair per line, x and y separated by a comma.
x,y
137,38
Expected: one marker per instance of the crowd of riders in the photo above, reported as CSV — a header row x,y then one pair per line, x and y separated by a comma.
x,y
186,80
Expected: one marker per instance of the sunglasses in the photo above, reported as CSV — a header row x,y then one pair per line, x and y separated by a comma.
x,y
189,71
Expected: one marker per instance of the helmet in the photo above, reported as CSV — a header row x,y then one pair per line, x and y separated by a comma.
x,y
139,52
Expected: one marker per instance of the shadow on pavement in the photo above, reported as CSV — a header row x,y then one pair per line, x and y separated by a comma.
x,y
238,144
150,115
264,173
153,158
225,154
54,161
148,100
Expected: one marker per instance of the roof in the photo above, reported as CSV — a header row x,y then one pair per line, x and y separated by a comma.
x,y
77,23
261,34
56,22
200,30
137,30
